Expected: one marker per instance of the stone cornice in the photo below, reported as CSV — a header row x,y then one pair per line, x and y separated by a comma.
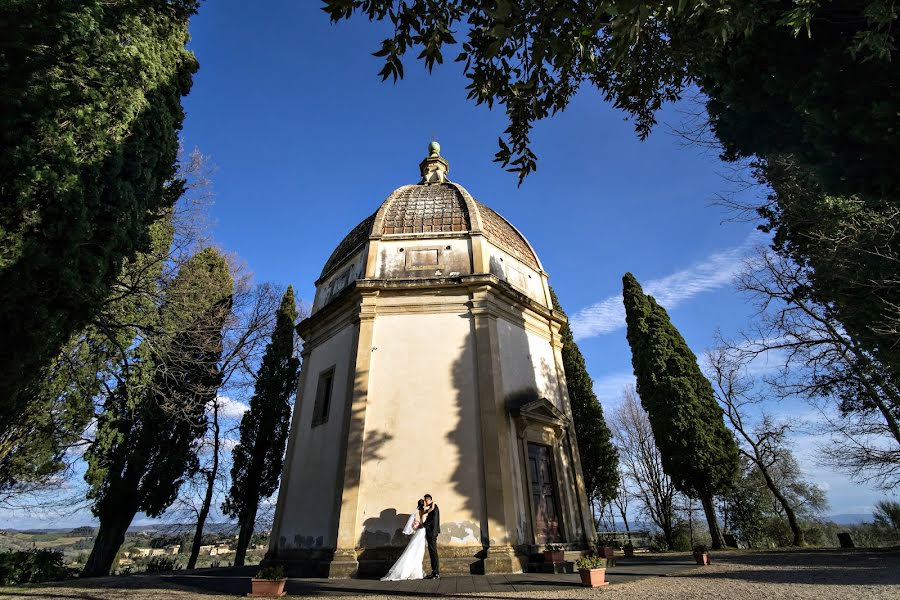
x,y
345,307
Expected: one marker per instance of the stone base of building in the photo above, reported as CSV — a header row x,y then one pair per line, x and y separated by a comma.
x,y
333,564
375,562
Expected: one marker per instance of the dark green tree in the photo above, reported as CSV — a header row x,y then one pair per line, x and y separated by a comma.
x,y
698,452
150,425
745,506
599,458
91,108
257,459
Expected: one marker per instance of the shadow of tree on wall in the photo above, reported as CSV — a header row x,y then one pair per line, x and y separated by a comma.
x,y
465,520
465,437
472,447
368,444
376,532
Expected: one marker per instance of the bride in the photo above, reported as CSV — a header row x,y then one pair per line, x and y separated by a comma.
x,y
409,565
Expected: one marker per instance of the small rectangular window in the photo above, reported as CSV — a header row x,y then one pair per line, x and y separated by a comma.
x,y
323,397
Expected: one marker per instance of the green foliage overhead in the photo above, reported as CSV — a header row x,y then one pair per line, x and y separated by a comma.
x,y
599,458
698,452
817,80
258,458
91,108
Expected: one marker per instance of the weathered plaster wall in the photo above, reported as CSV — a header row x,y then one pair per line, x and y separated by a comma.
x,y
421,426
351,271
527,363
527,360
421,258
313,480
519,275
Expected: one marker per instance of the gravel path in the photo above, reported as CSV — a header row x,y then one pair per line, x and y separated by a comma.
x,y
807,575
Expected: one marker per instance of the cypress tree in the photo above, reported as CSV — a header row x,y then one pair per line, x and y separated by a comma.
x,y
91,108
599,458
150,426
698,452
257,459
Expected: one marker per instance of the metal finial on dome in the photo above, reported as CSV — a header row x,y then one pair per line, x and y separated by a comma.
x,y
434,167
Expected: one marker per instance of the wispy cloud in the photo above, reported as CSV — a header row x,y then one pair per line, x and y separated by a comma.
x,y
715,271
608,387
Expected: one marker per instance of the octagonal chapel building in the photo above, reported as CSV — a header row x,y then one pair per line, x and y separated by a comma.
x,y
431,364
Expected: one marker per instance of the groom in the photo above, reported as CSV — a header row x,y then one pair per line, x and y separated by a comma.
x,y
432,527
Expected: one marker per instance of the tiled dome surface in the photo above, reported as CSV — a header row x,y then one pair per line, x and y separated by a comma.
x,y
350,244
416,209
424,208
504,235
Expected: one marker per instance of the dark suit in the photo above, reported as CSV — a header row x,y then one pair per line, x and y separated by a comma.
x,y
432,526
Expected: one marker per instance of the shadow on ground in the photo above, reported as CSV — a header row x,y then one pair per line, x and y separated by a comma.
x,y
815,567
820,567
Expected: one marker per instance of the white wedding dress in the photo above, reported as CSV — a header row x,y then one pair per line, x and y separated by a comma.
x,y
409,565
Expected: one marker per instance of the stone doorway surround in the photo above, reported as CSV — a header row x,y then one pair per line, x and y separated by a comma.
x,y
540,422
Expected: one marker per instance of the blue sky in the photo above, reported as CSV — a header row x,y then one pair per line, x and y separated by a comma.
x,y
307,142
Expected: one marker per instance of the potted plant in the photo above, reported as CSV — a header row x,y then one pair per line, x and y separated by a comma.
x,y
269,581
628,549
592,569
701,554
553,553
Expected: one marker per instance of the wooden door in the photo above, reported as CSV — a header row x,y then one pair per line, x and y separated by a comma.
x,y
543,495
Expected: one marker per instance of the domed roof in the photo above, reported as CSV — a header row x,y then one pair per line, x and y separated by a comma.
x,y
435,205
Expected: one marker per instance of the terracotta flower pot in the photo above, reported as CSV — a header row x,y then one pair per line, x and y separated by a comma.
x,y
629,551
593,577
554,556
608,553
267,587
702,558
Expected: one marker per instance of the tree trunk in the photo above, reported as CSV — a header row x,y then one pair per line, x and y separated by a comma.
x,y
669,536
248,521
625,521
110,537
210,485
594,516
788,510
664,522
711,520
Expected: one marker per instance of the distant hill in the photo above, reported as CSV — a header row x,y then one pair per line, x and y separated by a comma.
x,y
168,528
851,518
